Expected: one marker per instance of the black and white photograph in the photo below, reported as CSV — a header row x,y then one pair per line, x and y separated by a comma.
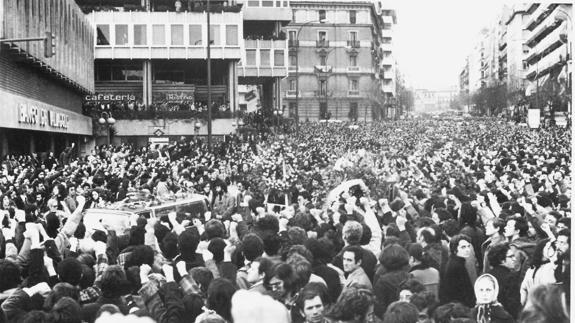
x,y
285,161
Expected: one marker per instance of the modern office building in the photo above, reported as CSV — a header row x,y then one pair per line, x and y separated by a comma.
x,y
340,60
549,60
42,83
151,63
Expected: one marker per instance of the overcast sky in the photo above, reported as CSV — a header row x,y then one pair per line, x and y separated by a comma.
x,y
433,37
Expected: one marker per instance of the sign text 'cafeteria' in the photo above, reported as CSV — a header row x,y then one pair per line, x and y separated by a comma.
x,y
35,115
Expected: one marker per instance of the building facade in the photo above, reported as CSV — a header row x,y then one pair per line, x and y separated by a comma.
x,y
515,47
151,63
340,60
548,60
41,94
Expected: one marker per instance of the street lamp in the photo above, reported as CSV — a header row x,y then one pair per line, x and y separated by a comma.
x,y
197,127
278,113
297,69
107,120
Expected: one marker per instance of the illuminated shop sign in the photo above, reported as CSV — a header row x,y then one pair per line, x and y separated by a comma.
x,y
110,97
35,115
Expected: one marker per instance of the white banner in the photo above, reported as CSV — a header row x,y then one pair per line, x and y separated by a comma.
x,y
534,118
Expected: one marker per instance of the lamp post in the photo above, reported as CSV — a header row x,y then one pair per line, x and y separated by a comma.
x,y
197,127
297,70
107,120
278,113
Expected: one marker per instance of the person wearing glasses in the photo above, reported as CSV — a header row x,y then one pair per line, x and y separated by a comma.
x,y
502,259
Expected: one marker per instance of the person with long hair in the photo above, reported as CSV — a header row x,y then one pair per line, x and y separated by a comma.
x,y
547,304
541,269
354,305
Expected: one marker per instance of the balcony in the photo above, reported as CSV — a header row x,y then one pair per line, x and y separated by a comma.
x,y
387,61
322,43
548,43
353,69
353,93
264,58
166,35
547,62
320,93
293,43
267,10
291,94
353,43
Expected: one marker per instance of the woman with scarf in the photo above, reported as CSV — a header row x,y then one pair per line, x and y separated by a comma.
x,y
488,310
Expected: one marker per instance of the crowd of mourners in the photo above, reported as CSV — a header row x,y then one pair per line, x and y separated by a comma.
x,y
406,221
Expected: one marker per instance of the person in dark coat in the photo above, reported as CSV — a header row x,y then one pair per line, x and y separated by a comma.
x,y
502,259
395,260
488,310
455,284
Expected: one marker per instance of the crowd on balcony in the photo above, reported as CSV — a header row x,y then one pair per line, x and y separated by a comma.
x,y
137,110
436,220
160,5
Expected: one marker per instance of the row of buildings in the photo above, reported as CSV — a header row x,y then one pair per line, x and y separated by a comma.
x,y
137,69
524,59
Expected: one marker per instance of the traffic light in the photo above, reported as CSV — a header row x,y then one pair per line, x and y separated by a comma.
x,y
49,45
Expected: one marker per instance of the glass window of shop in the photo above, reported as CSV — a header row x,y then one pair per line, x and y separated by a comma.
x,y
119,72
278,57
158,35
195,35
103,35
215,34
121,35
232,35
140,35
265,57
169,77
177,32
250,57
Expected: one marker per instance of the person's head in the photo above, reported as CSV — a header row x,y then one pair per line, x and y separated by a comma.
x,y
203,277
409,288
302,268
311,304
188,243
215,229
354,303
450,311
552,218
250,307
546,303
486,289
254,274
352,232
114,282
502,254
9,275
394,257
401,312
494,226
219,299
516,227
282,280
59,291
460,246
252,247
563,242
66,310
70,271
426,235
352,257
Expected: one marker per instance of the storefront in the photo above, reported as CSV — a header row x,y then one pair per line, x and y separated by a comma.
x,y
28,125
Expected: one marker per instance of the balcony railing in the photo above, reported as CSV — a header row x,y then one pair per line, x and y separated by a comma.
x,y
320,94
353,43
322,43
293,43
353,93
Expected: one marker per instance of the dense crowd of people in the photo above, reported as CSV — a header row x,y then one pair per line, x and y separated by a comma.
x,y
406,221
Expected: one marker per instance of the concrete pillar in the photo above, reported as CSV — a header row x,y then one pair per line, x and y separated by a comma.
x,y
4,143
32,143
147,82
53,143
233,86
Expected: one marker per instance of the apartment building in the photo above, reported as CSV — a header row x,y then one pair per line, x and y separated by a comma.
x,y
513,44
549,60
340,60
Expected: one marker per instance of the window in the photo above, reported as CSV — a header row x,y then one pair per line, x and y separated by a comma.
x,y
291,109
352,60
265,57
323,114
103,35
353,111
250,57
215,34
292,59
115,72
322,87
121,35
352,16
353,85
195,35
177,35
323,59
232,35
352,35
292,35
279,57
158,35
322,36
322,16
292,85
140,35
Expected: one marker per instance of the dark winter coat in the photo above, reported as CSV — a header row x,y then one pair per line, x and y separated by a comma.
x,y
386,289
455,284
509,285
